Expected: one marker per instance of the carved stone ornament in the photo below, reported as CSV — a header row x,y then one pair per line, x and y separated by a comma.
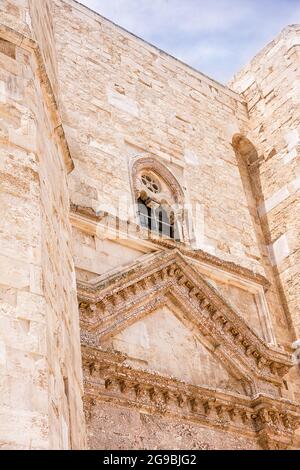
x,y
271,421
113,302
88,217
152,165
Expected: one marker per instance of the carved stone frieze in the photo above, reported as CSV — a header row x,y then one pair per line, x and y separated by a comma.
x,y
272,421
88,215
116,301
112,302
145,163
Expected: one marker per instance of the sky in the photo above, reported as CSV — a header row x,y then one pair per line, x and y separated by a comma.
x,y
217,37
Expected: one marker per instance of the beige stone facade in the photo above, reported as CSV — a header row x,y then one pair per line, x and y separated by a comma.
x,y
149,233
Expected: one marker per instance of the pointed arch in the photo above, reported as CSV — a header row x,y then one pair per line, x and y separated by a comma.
x,y
158,168
245,148
158,194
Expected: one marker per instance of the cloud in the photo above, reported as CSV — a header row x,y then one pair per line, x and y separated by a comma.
x,y
202,52
156,16
216,36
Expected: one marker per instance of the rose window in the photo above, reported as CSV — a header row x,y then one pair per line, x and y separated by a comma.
x,y
150,183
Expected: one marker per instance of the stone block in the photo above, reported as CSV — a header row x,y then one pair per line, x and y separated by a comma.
x,y
279,250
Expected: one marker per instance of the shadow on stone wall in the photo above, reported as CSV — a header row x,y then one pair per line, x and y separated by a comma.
x,y
249,167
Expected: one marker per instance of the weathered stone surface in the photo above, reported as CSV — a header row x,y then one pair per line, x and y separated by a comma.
x,y
274,127
184,344
40,388
131,429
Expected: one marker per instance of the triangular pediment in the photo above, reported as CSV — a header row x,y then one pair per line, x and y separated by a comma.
x,y
243,301
111,304
161,342
158,336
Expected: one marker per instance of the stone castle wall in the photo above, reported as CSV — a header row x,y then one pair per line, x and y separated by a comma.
x,y
41,376
270,86
80,100
130,429
122,98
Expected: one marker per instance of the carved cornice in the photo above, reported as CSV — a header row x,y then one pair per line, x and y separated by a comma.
x,y
134,231
30,45
116,301
107,378
229,266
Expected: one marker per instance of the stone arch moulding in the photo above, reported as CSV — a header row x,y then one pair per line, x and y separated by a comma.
x,y
151,164
245,148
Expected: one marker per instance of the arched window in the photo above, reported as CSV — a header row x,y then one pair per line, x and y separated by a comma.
x,y
165,222
146,215
160,219
159,199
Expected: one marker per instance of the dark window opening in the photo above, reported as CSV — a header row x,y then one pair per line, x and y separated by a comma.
x,y
165,226
159,220
146,216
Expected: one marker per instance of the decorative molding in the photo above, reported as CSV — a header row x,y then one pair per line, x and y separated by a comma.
x,y
87,219
106,378
30,45
112,302
229,266
155,166
247,285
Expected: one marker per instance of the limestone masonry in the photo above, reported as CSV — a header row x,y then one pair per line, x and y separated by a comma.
x,y
149,233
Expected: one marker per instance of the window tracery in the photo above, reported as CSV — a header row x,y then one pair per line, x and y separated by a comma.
x,y
150,183
159,199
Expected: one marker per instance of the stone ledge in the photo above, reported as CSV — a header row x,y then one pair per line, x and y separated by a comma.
x,y
272,421
134,231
